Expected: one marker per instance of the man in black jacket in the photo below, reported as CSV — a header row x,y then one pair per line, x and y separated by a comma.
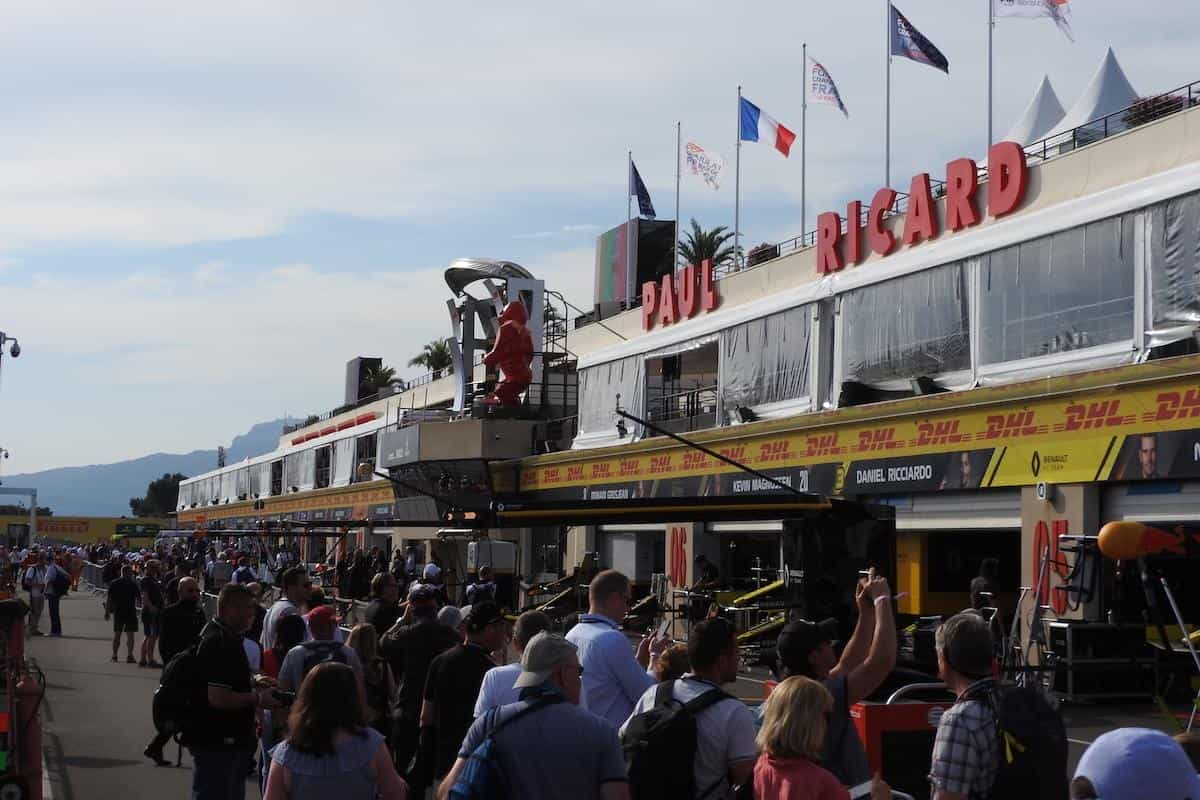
x,y
181,625
410,646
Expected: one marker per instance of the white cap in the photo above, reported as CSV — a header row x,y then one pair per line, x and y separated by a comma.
x,y
431,572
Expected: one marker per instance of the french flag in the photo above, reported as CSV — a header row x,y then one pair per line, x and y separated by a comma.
x,y
757,126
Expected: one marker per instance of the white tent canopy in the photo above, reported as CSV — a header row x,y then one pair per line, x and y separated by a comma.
x,y
1108,91
1043,113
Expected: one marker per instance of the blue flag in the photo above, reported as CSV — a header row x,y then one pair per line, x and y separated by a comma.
x,y
636,187
909,42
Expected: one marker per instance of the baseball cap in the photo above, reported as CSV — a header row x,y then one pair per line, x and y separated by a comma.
x,y
483,614
322,613
544,652
799,638
420,593
1139,764
431,572
450,616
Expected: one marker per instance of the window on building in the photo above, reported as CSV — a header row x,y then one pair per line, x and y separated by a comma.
x,y
364,452
1058,293
599,387
766,360
276,478
681,385
1174,235
911,327
324,465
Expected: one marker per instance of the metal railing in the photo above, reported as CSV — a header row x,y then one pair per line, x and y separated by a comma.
x,y
701,400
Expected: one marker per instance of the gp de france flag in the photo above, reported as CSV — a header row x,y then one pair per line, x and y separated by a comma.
x,y
759,126
909,42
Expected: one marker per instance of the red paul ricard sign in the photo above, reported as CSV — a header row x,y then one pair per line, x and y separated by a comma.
x,y
1008,178
679,296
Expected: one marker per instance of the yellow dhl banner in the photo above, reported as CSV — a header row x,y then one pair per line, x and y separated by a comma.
x,y
307,502
1126,433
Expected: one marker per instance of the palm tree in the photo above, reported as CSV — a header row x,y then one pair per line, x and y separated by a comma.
x,y
699,245
379,377
435,357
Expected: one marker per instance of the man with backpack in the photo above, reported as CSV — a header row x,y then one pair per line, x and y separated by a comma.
x,y
322,624
689,738
58,583
967,762
544,745
219,732
180,626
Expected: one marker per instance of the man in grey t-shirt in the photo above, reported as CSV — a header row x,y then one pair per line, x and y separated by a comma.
x,y
557,751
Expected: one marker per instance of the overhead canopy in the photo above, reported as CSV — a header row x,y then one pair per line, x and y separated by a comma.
x,y
1108,92
465,271
1043,112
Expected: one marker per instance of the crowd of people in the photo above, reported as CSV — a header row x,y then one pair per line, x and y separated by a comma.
x,y
423,696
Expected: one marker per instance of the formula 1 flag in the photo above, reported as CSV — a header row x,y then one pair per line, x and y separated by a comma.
x,y
756,125
909,42
1057,10
638,188
822,89
705,163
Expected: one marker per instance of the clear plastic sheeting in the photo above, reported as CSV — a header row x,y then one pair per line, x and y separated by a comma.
x,y
256,480
264,479
343,461
1067,291
766,360
228,490
907,328
598,390
241,481
1174,236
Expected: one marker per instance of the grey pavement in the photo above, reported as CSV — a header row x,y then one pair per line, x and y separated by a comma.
x,y
96,719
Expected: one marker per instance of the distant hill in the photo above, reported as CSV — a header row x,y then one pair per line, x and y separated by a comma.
x,y
103,490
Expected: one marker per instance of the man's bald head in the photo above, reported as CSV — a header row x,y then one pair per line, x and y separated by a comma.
x,y
189,589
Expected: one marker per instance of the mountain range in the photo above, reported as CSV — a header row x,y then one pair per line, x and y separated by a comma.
x,y
103,490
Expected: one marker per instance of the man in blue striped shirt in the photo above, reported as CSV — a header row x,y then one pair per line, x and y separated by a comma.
x,y
613,677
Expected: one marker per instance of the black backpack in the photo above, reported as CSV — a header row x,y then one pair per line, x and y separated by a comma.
x,y
319,653
1031,740
660,747
181,692
61,584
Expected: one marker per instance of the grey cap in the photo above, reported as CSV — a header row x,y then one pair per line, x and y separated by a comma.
x,y
544,653
450,616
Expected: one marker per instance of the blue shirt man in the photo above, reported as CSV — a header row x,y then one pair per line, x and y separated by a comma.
x,y
613,677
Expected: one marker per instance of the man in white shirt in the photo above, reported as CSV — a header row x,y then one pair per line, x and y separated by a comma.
x,y
33,579
725,731
498,688
296,591
613,677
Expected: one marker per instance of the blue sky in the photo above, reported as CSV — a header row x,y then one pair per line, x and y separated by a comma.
x,y
206,210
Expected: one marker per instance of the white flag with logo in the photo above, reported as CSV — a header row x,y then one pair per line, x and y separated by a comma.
x,y
705,163
1057,10
822,89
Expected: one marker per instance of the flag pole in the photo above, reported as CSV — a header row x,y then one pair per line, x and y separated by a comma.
x,y
991,30
804,143
630,272
737,186
887,106
678,142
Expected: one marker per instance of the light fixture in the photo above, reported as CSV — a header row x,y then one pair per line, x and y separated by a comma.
x,y
622,429
14,349
743,414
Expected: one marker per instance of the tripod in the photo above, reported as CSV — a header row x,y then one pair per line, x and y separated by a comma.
x,y
1155,613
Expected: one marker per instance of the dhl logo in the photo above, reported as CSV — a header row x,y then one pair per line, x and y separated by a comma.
x,y
935,433
878,439
630,466
737,453
550,475
822,445
660,465
695,461
1007,426
575,473
1101,414
1174,405
775,451
600,469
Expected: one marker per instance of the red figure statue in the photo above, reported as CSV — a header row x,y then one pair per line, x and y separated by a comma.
x,y
512,353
